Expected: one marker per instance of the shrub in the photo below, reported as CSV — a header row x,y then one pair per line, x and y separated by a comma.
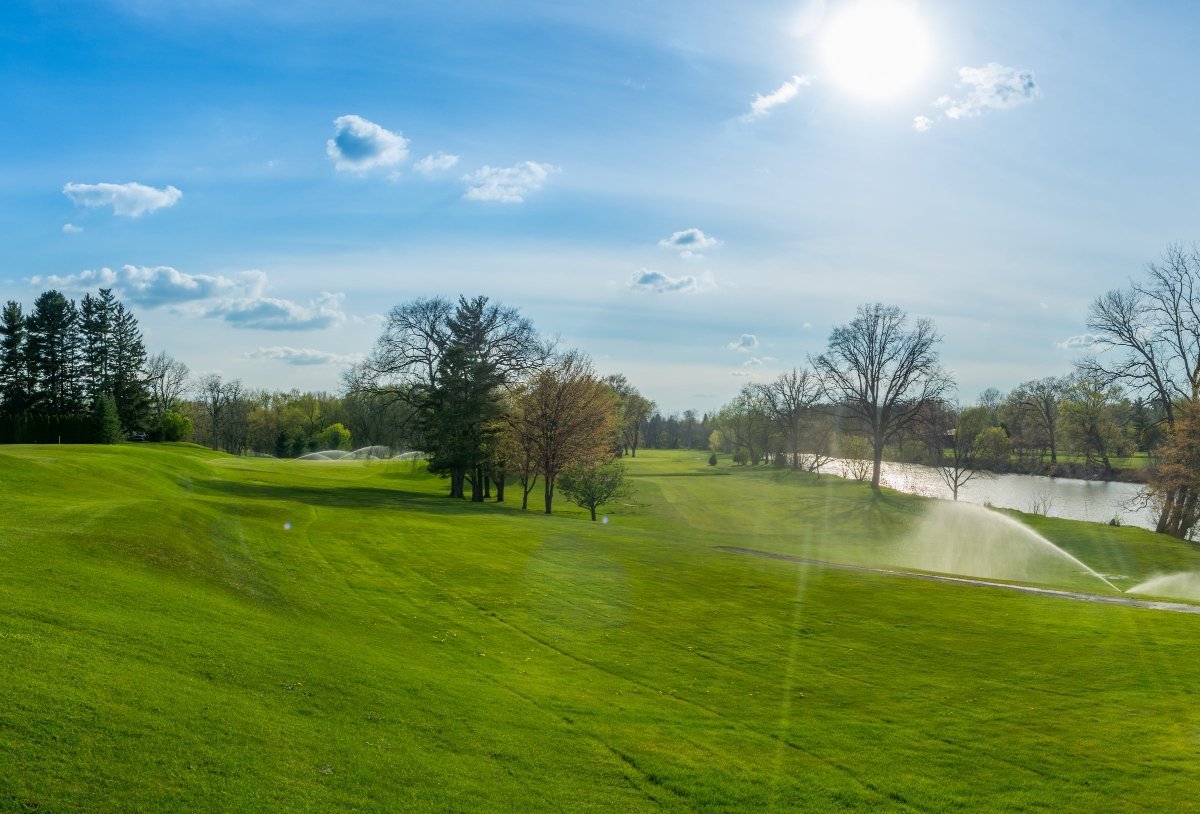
x,y
712,459
175,426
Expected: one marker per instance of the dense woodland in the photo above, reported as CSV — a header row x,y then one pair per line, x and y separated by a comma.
x,y
493,404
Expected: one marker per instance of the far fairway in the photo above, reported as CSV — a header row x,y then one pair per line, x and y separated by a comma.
x,y
187,631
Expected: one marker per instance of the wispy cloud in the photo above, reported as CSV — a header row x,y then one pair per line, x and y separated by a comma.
x,y
689,242
761,106
754,361
507,184
990,87
153,286
272,314
1080,342
744,344
127,200
359,145
304,357
71,229
238,299
432,164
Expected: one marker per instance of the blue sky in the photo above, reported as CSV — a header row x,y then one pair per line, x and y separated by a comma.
x,y
600,166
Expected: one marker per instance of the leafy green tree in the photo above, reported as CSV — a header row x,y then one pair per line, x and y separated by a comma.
x,y
335,436
993,448
590,486
175,426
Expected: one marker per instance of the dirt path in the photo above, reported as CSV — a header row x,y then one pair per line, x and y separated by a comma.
x,y
1103,599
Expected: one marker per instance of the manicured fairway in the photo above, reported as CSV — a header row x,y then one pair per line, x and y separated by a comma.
x,y
187,631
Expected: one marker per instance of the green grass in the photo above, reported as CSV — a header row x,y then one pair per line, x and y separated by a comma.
x,y
184,631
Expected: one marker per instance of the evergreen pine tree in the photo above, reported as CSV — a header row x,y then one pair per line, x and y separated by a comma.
x,y
53,351
96,341
107,424
14,363
127,369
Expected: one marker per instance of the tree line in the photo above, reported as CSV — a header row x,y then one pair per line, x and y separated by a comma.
x,y
73,370
879,388
492,403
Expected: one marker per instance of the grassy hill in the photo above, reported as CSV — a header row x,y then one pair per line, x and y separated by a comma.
x,y
187,631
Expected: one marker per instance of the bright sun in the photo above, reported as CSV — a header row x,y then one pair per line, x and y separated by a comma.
x,y
876,49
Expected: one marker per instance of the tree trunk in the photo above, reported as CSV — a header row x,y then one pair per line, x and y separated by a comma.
x,y
877,464
549,482
500,486
1164,516
593,508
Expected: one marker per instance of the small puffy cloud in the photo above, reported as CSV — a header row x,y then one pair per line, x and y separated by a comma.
x,y
507,184
689,242
659,283
922,123
741,373
71,229
128,200
432,164
272,314
754,361
992,87
359,145
761,105
1080,342
744,344
303,357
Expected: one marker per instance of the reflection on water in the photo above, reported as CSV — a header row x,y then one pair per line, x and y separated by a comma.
x,y
1095,501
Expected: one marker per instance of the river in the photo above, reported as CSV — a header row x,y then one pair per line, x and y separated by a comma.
x,y
1095,501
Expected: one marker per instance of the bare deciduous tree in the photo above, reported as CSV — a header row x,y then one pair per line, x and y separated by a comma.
x,y
167,378
882,373
565,416
1148,337
788,401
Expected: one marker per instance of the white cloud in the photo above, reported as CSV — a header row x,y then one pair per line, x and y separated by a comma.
x,y
761,106
1080,342
992,87
922,123
741,373
157,285
71,229
130,200
744,344
507,184
303,357
431,164
754,361
271,314
656,281
237,299
689,242
359,145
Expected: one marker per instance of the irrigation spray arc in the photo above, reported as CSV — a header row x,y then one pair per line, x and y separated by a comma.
x,y
960,538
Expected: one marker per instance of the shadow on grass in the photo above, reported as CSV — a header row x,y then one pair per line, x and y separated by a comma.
x,y
343,497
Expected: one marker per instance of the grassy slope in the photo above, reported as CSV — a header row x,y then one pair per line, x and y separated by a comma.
x,y
166,643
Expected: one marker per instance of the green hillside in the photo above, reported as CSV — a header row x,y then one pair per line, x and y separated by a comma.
x,y
187,631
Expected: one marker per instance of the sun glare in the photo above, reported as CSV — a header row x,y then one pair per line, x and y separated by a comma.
x,y
876,49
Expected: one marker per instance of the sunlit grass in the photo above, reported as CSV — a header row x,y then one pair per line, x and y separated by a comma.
x,y
185,631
